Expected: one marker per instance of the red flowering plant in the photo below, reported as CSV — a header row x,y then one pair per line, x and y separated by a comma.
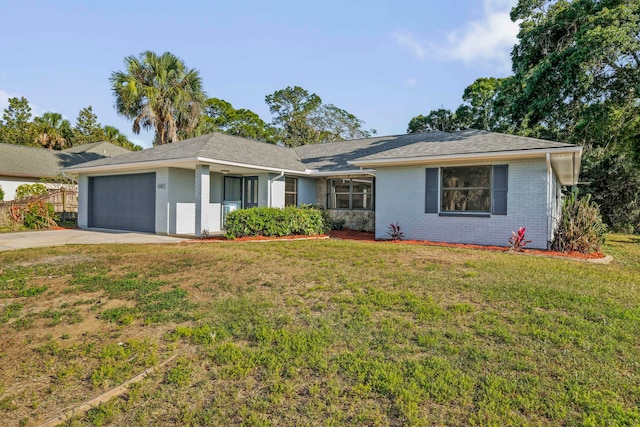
x,y
517,241
394,231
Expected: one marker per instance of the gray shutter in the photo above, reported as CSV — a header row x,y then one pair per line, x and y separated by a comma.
x,y
500,189
431,193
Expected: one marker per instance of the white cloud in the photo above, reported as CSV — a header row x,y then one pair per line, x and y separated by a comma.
x,y
412,82
487,41
408,41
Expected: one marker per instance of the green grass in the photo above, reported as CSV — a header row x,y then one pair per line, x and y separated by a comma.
x,y
324,333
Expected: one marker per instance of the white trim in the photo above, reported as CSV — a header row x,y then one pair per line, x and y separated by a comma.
x,y
549,199
361,171
468,156
249,166
128,166
189,161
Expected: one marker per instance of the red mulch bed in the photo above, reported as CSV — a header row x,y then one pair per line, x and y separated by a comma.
x,y
370,237
366,236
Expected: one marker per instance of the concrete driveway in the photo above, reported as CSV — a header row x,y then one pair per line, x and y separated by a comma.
x,y
35,239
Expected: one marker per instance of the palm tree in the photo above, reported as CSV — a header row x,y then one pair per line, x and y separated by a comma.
x,y
159,92
113,135
52,131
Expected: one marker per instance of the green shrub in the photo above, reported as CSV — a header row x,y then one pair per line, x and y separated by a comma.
x,y
581,228
25,191
38,215
329,223
1,193
273,222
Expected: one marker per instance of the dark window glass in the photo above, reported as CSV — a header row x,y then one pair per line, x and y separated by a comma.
x,y
232,189
466,189
290,191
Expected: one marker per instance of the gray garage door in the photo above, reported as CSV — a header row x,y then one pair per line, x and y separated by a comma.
x,y
123,202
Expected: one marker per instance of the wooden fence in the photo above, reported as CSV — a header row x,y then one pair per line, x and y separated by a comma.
x,y
63,200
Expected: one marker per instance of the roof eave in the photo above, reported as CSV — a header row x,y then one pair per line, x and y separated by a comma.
x,y
182,162
24,175
209,161
494,155
317,173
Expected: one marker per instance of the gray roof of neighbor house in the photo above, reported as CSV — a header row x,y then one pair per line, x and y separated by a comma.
x,y
35,162
343,155
216,147
104,148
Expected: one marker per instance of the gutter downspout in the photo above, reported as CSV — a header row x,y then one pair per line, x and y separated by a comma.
x,y
270,193
549,204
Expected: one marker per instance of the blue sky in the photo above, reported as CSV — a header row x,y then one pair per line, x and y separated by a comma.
x,y
384,61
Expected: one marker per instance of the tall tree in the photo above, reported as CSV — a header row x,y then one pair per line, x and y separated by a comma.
x,y
335,124
87,128
52,131
301,118
159,92
479,98
16,126
442,119
220,116
577,79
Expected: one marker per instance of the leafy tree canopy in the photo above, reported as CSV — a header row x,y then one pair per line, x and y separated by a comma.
x,y
220,116
301,118
442,119
16,126
87,128
51,130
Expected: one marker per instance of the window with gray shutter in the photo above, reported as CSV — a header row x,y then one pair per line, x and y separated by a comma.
x,y
500,189
431,193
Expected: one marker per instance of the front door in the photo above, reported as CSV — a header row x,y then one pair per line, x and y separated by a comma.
x,y
250,192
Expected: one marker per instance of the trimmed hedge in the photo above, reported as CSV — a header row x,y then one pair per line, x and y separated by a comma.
x,y
273,222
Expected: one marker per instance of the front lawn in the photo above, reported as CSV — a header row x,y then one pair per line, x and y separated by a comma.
x,y
320,332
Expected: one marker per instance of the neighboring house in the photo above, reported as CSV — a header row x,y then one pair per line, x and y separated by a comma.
x,y
20,164
464,187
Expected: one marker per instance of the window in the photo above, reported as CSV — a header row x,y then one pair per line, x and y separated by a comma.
x,y
290,191
466,189
481,190
350,193
232,189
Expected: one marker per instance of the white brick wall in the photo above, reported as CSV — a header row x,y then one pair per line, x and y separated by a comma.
x,y
400,198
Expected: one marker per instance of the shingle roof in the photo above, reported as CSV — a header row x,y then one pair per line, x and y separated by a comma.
x,y
34,162
329,157
104,148
334,156
215,146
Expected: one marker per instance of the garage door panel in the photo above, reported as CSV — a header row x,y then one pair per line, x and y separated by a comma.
x,y
123,202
